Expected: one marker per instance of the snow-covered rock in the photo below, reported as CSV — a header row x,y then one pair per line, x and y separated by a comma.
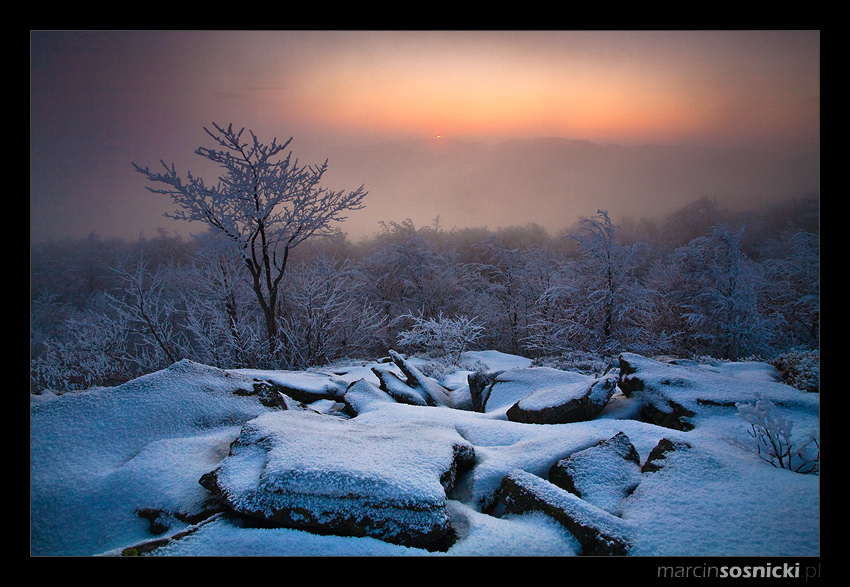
x,y
302,386
387,480
658,455
557,403
432,393
509,387
604,474
598,532
541,395
118,469
363,396
398,389
671,393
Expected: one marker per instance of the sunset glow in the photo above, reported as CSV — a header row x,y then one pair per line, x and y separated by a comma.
x,y
579,85
103,99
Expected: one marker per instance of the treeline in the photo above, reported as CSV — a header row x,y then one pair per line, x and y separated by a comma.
x,y
705,281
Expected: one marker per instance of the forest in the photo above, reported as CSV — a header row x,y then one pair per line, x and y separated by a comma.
x,y
704,281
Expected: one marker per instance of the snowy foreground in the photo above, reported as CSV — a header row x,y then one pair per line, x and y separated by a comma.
x,y
102,460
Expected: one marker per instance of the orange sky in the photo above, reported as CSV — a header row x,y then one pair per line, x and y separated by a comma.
x,y
102,99
591,85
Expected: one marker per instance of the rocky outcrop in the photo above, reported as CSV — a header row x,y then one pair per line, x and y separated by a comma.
x,y
363,396
668,414
603,474
300,386
641,379
151,545
271,396
414,387
541,395
386,480
578,402
655,460
398,389
598,532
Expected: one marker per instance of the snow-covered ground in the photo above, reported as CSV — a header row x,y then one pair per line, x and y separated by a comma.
x,y
101,455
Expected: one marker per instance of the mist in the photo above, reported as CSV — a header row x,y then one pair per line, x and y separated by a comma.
x,y
540,127
553,182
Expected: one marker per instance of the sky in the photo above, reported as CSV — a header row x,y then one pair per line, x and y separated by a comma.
x,y
433,124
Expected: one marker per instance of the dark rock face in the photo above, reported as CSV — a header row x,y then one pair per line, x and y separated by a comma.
x,y
657,393
603,474
628,383
480,384
655,460
675,416
567,409
272,396
598,532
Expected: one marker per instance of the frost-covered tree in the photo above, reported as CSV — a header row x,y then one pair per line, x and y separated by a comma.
x,y
149,313
91,349
596,301
264,203
118,336
326,314
793,276
408,273
718,296
441,335
224,325
689,222
517,277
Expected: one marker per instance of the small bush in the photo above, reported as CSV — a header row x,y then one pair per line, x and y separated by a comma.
x,y
440,367
441,336
800,369
578,361
772,442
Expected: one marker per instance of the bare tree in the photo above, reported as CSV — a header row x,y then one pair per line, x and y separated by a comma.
x,y
264,203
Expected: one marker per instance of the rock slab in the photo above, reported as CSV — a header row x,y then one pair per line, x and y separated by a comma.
x,y
386,480
598,532
603,474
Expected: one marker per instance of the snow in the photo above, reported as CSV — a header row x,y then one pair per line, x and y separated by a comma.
x,y
312,383
582,511
603,476
553,395
551,386
302,447
98,456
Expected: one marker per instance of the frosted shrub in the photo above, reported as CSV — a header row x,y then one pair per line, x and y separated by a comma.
x,y
800,369
578,361
772,442
92,352
441,367
441,336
